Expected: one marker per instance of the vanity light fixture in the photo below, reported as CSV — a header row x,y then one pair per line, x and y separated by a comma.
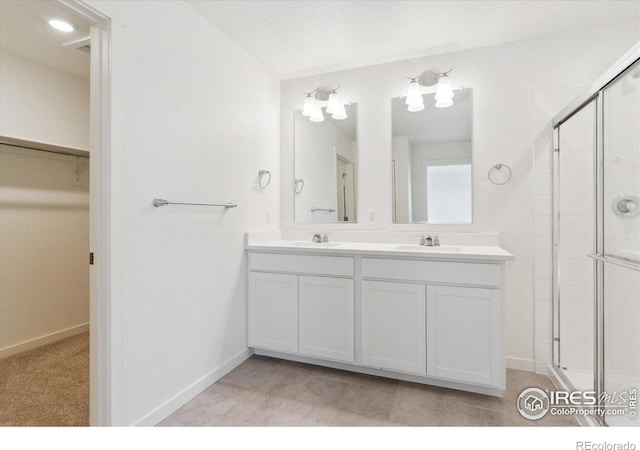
x,y
316,115
309,106
444,93
314,101
414,96
61,25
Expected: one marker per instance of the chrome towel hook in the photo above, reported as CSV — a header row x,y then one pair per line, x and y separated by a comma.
x,y
496,170
261,175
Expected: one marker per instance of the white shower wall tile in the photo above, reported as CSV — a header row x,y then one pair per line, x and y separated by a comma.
x,y
544,332
543,166
544,247
544,204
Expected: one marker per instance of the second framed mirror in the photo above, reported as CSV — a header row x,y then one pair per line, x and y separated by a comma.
x,y
432,161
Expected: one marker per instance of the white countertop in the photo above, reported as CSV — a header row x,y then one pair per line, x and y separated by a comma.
x,y
446,252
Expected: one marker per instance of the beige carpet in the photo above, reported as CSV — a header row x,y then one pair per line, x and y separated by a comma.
x,y
48,386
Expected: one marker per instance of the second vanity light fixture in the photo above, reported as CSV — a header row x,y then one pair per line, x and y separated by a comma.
x,y
444,93
313,110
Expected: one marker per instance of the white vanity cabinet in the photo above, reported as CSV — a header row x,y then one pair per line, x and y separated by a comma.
x,y
421,318
393,328
293,312
464,328
326,317
273,311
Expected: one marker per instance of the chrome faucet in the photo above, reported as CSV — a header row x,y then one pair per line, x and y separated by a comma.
x,y
325,238
317,238
426,240
436,241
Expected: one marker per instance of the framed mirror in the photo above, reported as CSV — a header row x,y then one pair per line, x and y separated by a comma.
x,y
432,161
326,152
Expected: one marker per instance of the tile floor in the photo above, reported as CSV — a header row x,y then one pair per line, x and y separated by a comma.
x,y
273,392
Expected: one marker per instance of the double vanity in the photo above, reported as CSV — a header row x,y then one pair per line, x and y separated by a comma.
x,y
430,315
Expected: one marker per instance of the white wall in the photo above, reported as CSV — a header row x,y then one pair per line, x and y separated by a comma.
x,y
44,248
42,104
503,78
436,152
194,118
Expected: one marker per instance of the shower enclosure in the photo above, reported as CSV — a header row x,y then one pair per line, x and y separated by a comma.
x,y
596,239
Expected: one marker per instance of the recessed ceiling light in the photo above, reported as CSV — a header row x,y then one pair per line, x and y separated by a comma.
x,y
61,25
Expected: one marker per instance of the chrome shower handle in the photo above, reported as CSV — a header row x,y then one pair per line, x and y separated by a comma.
x,y
627,205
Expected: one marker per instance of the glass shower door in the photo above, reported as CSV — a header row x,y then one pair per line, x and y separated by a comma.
x,y
620,215
575,240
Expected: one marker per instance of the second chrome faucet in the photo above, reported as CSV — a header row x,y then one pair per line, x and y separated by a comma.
x,y
428,241
318,238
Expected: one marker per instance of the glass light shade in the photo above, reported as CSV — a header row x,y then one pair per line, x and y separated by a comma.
x,y
309,106
339,114
317,115
414,94
443,102
415,107
61,25
334,104
444,88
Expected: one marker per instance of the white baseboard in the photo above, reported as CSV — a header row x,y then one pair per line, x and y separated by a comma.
x,y
542,369
167,408
520,364
42,340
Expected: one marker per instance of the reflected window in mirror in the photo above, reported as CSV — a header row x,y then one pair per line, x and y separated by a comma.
x,y
326,152
432,161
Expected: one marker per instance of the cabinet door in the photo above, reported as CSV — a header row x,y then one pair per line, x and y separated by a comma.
x,y
464,329
393,326
273,311
327,317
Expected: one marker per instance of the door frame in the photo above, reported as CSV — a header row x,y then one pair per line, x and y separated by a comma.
x,y
104,376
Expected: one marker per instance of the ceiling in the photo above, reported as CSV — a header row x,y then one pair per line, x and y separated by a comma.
x,y
299,38
24,30
433,124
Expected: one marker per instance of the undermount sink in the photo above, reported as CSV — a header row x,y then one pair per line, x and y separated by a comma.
x,y
316,244
444,249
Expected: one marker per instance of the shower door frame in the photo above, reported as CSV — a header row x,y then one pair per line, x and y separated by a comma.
x,y
593,93
556,310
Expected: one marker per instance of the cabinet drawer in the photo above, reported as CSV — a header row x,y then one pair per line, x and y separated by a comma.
x,y
305,264
432,271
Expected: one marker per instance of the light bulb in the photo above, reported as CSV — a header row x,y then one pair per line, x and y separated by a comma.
x,y
414,94
309,106
340,113
61,25
415,107
317,115
334,103
443,102
444,88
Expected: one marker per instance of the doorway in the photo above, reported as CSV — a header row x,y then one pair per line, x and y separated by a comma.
x,y
53,206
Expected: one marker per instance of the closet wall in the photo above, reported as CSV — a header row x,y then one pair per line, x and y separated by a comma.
x,y
42,104
44,211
